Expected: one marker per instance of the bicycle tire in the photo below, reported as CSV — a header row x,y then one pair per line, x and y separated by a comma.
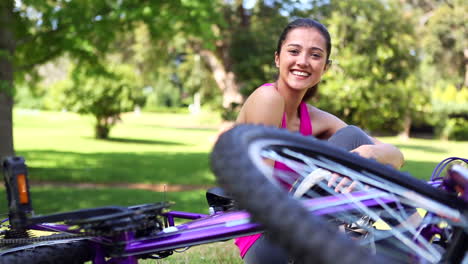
x,y
302,239
232,161
73,252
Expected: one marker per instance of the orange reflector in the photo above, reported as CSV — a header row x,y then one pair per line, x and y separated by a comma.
x,y
22,189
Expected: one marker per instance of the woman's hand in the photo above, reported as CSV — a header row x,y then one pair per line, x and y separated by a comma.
x,y
381,152
346,185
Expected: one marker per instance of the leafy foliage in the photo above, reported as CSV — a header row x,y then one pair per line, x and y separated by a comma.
x,y
455,129
444,40
87,29
389,56
373,57
104,95
451,108
253,45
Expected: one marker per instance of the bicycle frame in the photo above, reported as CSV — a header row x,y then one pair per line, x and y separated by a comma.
x,y
202,229
199,228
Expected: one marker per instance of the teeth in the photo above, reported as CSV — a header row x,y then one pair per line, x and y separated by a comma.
x,y
300,73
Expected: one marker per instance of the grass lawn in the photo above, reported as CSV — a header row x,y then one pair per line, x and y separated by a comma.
x,y
423,155
155,148
215,253
150,148
47,199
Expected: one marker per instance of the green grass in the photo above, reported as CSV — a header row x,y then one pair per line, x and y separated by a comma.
x,y
149,148
423,155
47,199
155,148
216,253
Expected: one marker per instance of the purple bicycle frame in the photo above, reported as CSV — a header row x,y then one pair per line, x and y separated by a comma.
x,y
203,229
221,226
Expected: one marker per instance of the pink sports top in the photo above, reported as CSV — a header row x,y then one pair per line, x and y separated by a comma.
x,y
305,128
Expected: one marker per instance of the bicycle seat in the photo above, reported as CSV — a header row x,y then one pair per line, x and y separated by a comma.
x,y
219,200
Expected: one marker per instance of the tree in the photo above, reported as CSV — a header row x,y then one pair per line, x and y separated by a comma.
x,y
443,37
373,56
442,34
254,44
7,47
104,95
36,31
244,51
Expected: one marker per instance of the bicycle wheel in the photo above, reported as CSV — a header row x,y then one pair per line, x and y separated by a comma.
x,y
384,214
50,251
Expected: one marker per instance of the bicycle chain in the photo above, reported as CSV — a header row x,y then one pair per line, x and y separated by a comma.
x,y
148,226
88,233
30,240
104,228
119,231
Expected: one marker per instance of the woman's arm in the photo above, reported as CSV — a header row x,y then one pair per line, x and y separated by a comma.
x,y
382,152
326,124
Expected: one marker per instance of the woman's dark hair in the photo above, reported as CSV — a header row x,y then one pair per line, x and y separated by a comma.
x,y
307,23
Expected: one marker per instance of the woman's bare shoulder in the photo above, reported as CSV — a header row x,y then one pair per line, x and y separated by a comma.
x,y
265,105
266,93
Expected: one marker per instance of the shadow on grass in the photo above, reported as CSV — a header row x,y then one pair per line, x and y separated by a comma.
x,y
143,141
48,200
421,148
200,128
146,167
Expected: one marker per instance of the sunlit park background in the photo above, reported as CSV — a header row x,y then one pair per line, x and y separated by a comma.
x,y
119,102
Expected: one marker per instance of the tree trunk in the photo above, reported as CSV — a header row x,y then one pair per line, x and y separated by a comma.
x,y
102,131
465,52
405,134
6,126
224,79
103,126
7,47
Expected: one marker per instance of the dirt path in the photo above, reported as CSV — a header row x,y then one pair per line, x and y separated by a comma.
x,y
139,186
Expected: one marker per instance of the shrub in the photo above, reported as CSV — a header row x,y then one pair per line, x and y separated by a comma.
x,y
456,129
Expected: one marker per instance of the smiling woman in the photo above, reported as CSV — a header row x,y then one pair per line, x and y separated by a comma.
x,y
302,57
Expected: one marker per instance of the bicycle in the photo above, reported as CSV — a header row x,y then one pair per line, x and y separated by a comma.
x,y
390,218
126,234
113,234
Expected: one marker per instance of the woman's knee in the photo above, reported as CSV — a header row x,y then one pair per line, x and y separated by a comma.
x,y
263,251
350,137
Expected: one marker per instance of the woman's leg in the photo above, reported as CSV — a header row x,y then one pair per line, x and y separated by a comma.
x,y
265,252
350,137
